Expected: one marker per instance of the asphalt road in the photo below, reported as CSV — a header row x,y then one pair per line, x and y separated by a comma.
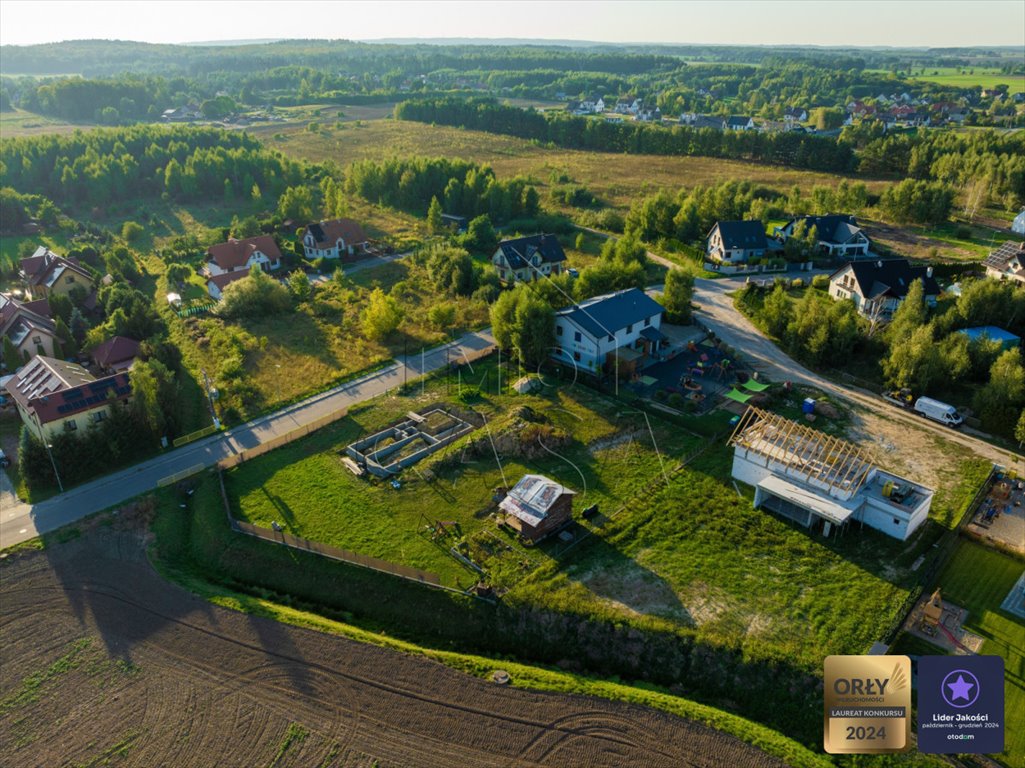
x,y
716,311
20,522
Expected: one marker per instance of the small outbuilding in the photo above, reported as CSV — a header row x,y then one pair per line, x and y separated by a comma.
x,y
537,506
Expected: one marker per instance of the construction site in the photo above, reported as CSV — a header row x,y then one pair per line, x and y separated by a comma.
x,y
820,481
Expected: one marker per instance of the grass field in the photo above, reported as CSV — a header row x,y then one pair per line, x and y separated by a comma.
x,y
971,77
306,488
617,180
18,122
978,579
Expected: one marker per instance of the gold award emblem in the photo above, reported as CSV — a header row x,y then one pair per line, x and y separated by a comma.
x,y
867,704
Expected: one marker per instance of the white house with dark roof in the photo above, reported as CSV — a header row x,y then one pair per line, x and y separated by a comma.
x,y
736,242
739,123
525,259
615,332
878,287
333,239
837,234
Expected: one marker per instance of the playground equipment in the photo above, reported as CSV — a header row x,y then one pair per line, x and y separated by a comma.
x,y
932,612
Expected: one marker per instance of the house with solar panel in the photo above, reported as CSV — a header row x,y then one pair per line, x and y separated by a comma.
x,y
525,259
537,506
53,396
617,333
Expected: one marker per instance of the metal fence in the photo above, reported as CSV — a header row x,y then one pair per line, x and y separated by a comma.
x,y
180,441
276,442
178,476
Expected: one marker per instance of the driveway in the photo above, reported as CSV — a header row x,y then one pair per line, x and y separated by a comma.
x,y
20,522
716,311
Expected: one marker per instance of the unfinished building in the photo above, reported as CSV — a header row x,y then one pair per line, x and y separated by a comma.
x,y
388,452
820,481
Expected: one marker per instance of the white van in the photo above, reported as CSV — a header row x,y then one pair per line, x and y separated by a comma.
x,y
937,411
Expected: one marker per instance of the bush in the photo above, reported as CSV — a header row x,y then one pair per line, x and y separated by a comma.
x,y
820,282
797,282
676,400
661,395
963,233
255,295
131,231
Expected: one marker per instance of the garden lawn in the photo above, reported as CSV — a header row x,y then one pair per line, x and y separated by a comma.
x,y
696,554
978,579
306,488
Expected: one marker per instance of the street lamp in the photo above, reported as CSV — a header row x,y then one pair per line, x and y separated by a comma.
x,y
54,465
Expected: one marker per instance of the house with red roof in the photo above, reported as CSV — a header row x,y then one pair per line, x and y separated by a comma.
x,y
29,328
215,284
53,396
334,239
46,273
115,354
237,255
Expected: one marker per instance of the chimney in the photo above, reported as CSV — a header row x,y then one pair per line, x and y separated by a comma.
x,y
928,271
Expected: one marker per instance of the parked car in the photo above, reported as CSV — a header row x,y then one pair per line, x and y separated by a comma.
x,y
938,411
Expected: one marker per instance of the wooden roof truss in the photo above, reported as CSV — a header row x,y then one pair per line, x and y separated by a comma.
x,y
842,466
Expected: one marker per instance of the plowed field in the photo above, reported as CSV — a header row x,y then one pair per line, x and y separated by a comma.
x,y
106,663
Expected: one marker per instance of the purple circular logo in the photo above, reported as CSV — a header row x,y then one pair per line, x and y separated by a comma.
x,y
960,688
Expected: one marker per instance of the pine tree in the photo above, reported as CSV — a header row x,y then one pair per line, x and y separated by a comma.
x,y
435,223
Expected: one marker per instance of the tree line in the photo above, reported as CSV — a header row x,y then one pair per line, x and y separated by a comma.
x,y
563,130
461,187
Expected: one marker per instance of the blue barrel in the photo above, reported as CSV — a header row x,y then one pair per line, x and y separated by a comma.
x,y
808,406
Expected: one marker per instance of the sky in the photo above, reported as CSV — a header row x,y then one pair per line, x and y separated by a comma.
x,y
943,23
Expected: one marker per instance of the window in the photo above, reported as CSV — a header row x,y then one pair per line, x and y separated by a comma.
x,y
71,278
577,336
576,356
70,425
97,416
558,330
611,337
896,521
647,322
37,340
630,328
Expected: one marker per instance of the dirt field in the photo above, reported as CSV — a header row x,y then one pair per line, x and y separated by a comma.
x,y
106,663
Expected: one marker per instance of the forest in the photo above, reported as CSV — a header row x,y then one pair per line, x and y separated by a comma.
x,y
795,150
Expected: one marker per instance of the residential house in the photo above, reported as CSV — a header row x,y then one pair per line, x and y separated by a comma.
x,y
458,223
838,234
696,121
53,396
525,259
236,255
650,115
821,482
738,123
29,327
1018,225
795,115
215,284
617,333
1007,262
878,287
537,506
182,114
622,108
736,242
334,239
46,273
115,354
592,105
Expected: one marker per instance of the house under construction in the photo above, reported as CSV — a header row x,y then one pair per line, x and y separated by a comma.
x,y
822,481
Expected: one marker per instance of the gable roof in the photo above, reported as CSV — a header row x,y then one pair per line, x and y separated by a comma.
x,y
1009,257
53,389
19,319
836,228
228,277
327,233
236,253
749,235
891,277
115,351
532,497
518,251
44,267
607,314
737,121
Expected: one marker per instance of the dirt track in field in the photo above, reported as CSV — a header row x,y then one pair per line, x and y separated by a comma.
x,y
103,660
